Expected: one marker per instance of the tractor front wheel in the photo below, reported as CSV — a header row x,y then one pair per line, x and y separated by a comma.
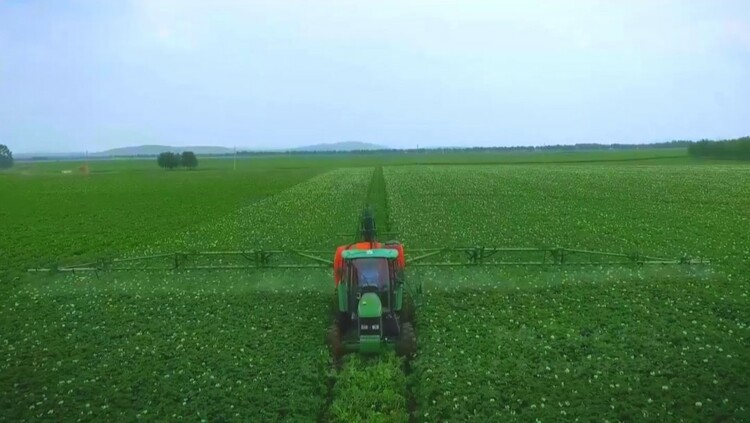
x,y
407,342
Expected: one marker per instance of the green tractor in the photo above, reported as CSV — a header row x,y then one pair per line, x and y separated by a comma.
x,y
372,311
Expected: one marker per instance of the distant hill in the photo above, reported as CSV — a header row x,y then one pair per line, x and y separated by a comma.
x,y
341,146
154,150
48,155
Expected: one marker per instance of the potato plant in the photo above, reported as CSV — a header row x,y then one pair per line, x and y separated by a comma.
x,y
370,390
656,210
188,345
308,215
50,218
209,347
618,349
590,344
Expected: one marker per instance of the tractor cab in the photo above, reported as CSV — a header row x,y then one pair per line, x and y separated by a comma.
x,y
372,272
370,297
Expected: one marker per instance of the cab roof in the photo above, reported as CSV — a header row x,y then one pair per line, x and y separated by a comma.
x,y
386,253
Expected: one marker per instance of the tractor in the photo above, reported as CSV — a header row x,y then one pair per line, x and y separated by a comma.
x,y
372,311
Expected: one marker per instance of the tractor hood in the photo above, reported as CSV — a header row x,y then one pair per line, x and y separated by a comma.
x,y
369,306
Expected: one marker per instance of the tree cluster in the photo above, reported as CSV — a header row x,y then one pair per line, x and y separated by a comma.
x,y
6,157
169,160
736,149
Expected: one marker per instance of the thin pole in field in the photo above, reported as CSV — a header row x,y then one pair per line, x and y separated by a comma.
x,y
235,157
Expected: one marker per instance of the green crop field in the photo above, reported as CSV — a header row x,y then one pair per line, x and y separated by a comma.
x,y
623,343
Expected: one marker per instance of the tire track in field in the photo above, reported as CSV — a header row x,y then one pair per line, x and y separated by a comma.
x,y
378,200
306,215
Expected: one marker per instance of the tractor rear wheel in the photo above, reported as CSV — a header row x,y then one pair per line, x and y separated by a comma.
x,y
333,339
408,309
335,304
407,342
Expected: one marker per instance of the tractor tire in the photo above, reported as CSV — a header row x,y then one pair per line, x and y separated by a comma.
x,y
407,342
408,309
333,338
335,304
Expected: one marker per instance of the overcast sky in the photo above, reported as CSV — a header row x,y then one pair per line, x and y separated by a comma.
x,y
92,75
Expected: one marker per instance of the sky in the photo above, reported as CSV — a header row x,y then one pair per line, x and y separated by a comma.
x,y
90,75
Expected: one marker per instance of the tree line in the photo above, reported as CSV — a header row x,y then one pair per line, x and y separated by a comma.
x,y
170,160
6,157
544,148
735,149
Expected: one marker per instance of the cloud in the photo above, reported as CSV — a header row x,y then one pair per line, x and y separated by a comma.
x,y
169,24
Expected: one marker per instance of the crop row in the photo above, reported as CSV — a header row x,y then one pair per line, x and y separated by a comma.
x,y
139,347
667,210
617,349
370,390
588,344
53,218
309,215
213,346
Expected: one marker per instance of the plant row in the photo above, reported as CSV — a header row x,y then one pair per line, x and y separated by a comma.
x,y
211,346
164,348
656,210
615,349
320,213
51,218
592,344
370,389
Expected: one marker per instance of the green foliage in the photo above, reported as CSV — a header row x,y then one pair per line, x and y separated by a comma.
x,y
188,160
168,160
127,207
665,211
593,345
163,348
308,215
370,390
736,149
190,344
6,157
514,345
618,349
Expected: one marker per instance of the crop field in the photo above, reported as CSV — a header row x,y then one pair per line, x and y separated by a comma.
x,y
669,343
668,210
592,345
168,348
54,217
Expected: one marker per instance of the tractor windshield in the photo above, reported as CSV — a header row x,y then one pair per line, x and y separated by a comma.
x,y
371,272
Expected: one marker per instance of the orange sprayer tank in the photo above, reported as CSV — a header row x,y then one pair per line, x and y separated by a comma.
x,y
338,260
